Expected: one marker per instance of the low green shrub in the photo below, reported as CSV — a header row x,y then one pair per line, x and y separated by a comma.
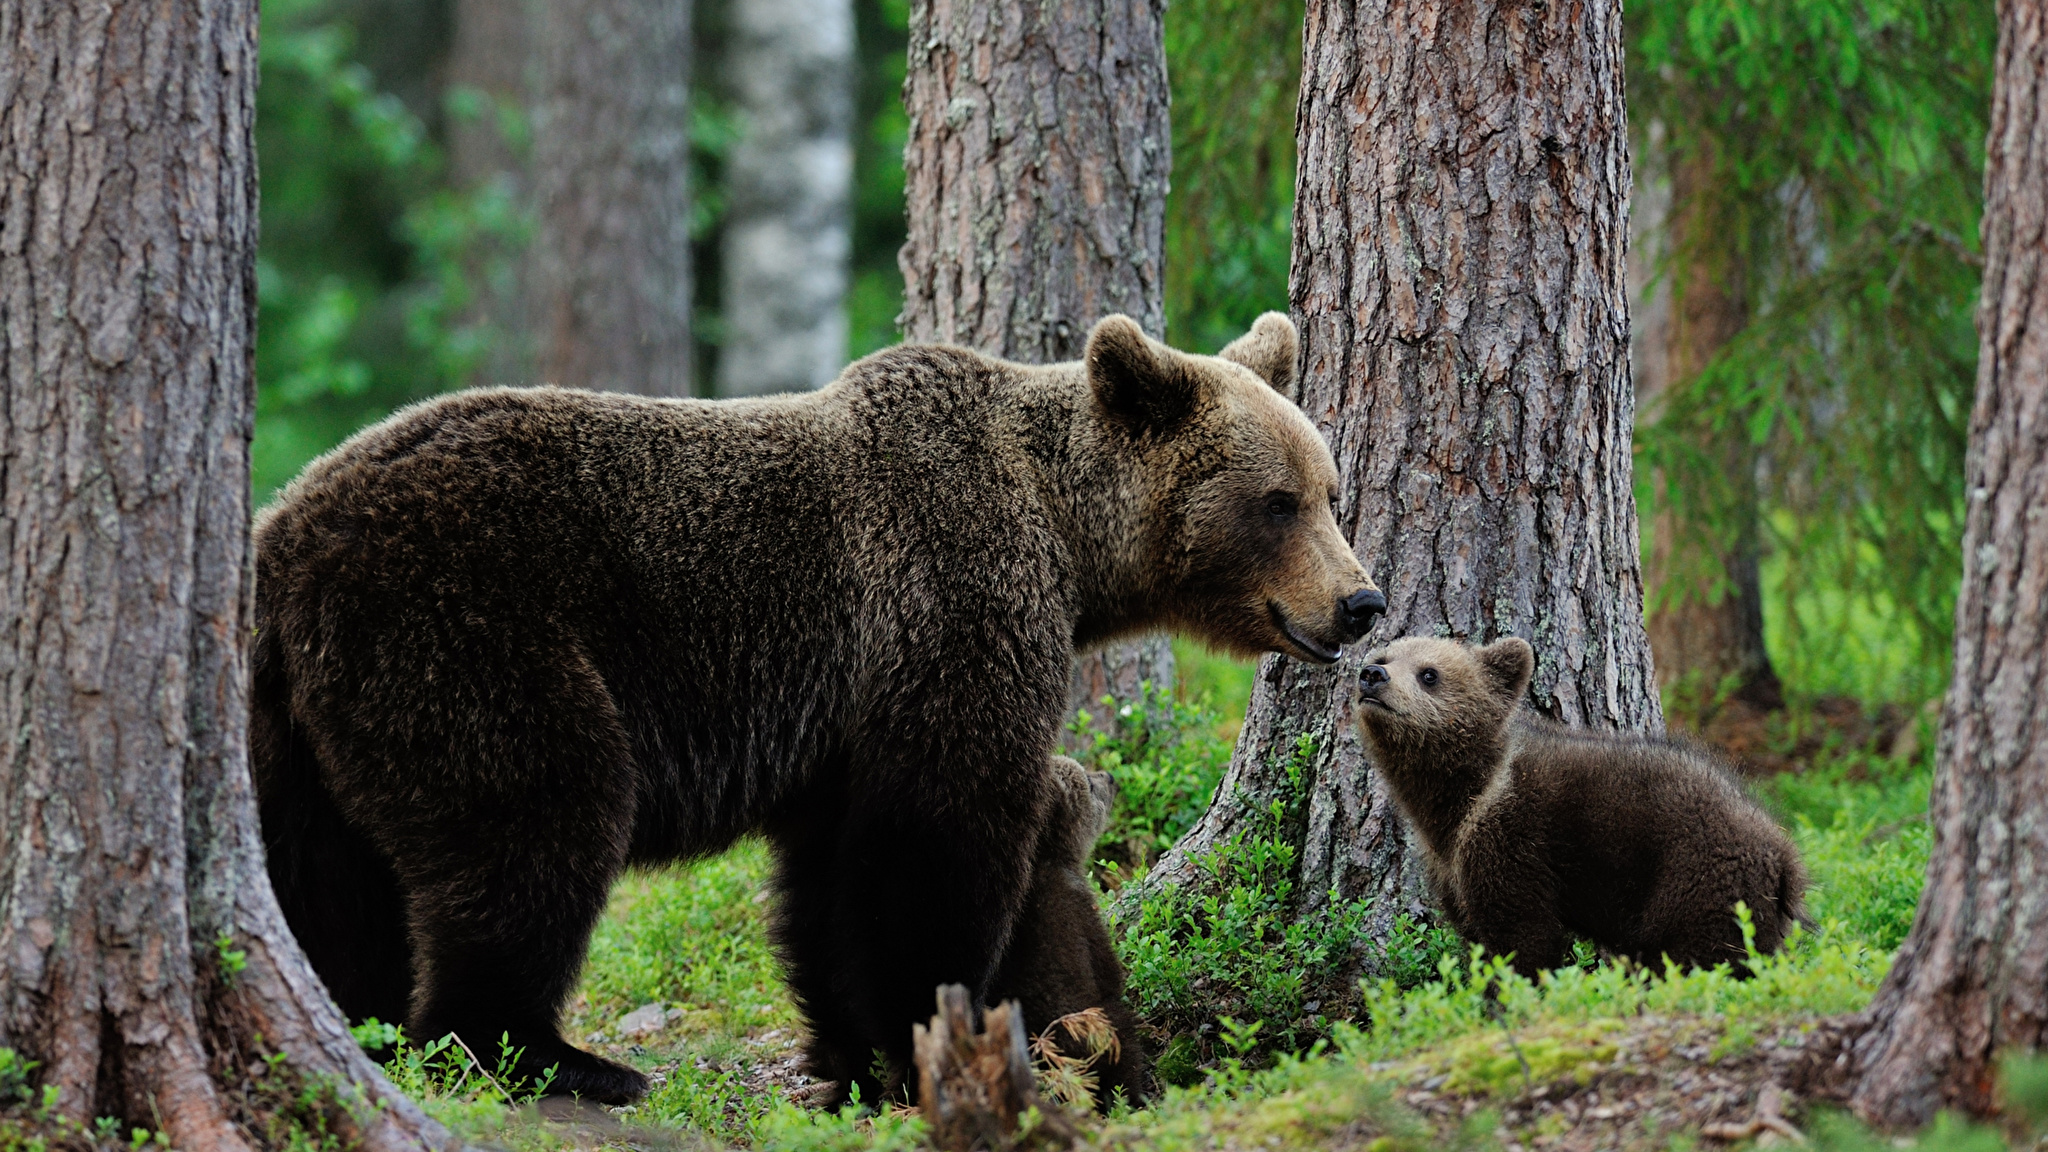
x,y
1166,757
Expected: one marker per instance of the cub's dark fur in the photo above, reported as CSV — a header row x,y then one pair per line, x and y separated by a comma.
x,y
1061,961
1534,832
511,642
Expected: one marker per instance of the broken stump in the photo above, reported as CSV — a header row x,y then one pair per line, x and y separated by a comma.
x,y
974,1085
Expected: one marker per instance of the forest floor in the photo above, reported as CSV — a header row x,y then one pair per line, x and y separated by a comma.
x,y
683,984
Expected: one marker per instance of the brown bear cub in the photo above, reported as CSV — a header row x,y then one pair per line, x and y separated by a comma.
x,y
1060,960
511,642
1533,832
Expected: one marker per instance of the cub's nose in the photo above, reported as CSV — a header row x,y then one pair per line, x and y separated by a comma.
x,y
1356,612
1372,676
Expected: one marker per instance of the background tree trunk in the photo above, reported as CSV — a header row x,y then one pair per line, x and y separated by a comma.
x,y
1460,286
127,314
1036,177
608,289
1705,637
1971,980
789,179
491,81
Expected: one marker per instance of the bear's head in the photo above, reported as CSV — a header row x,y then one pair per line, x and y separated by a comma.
x,y
1240,492
1426,692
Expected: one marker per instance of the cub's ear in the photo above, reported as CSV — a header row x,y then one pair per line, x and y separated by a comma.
x,y
1138,381
1268,349
1509,663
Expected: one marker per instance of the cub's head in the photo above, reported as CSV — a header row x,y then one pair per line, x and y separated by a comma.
x,y
1243,492
1082,801
1423,690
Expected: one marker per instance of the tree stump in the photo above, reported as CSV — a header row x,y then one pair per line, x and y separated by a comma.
x,y
975,1084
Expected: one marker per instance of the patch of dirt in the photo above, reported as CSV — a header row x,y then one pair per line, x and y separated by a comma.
x,y
1663,1076
1767,742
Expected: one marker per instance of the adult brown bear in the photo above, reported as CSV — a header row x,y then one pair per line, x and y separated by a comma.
x,y
511,642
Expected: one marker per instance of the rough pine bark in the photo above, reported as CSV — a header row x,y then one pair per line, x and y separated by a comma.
x,y
1704,638
1036,177
608,280
1460,285
788,235
128,837
1971,981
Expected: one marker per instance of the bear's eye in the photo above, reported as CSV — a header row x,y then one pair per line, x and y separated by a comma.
x,y
1428,677
1282,505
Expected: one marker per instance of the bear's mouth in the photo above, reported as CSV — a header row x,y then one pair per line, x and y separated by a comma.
x,y
1316,652
1382,705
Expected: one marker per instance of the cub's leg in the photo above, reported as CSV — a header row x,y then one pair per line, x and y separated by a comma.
x,y
1508,895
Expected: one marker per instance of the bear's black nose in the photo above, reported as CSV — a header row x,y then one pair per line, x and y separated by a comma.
x,y
1358,610
1373,674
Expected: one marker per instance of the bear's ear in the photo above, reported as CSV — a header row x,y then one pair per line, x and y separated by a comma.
x,y
1136,380
1509,663
1268,349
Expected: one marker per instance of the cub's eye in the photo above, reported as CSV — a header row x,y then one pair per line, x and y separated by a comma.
x,y
1428,677
1282,505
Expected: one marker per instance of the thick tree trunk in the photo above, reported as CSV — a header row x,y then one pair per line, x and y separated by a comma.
x,y
1971,981
490,64
1460,286
788,232
127,305
1036,177
1705,637
608,283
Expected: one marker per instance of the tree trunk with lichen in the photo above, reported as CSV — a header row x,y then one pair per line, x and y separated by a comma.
x,y
1460,288
1971,981
787,238
1036,177
149,973
1706,619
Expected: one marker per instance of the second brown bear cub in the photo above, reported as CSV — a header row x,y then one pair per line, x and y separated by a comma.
x,y
1060,959
1534,832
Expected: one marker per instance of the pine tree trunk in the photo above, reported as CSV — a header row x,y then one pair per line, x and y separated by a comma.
x,y
608,289
1036,178
127,307
788,237
1706,638
490,66
1460,287
1971,981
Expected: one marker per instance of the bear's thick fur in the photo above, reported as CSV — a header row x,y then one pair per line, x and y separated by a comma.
x,y
1060,960
1533,832
511,642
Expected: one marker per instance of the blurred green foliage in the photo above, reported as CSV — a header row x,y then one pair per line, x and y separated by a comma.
x,y
1844,140
362,280
1234,67
876,294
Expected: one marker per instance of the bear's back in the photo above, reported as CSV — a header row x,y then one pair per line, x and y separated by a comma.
x,y
734,578
1626,815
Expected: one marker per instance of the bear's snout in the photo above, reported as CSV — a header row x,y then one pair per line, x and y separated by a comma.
x,y
1356,612
1372,676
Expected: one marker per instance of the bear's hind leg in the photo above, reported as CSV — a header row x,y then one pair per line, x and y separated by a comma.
x,y
497,951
